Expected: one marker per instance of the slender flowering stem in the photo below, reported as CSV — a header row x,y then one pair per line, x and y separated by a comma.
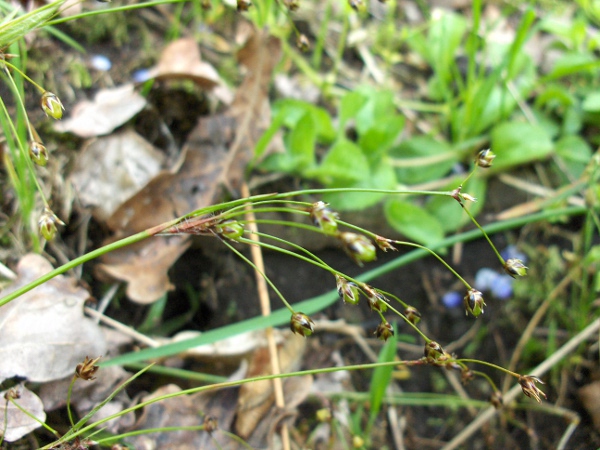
x,y
485,235
15,68
42,423
485,363
487,377
264,275
69,392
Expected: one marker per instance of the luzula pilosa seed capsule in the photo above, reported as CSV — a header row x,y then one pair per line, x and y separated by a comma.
x,y
324,218
302,324
38,153
47,224
515,268
384,331
52,105
359,247
347,290
473,302
231,229
485,158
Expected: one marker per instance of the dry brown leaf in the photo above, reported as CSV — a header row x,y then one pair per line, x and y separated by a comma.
x,y
144,266
216,153
111,169
110,109
590,398
18,424
43,333
181,59
256,398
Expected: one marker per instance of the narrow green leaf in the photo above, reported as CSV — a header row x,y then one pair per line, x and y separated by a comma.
x,y
381,378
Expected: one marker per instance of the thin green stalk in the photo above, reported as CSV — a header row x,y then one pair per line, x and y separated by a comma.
x,y
69,393
227,384
489,364
322,36
16,69
42,423
318,303
488,378
262,274
484,235
72,264
112,10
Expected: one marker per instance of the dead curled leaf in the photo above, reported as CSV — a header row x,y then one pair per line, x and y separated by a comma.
x,y
111,169
144,266
43,333
18,424
256,398
110,109
215,154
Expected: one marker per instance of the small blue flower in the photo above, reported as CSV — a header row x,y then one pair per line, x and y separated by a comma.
x,y
141,75
485,278
452,299
101,63
502,287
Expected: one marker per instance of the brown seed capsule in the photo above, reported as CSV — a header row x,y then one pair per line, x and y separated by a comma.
x,y
47,224
52,105
485,158
359,247
324,218
412,314
292,5
435,354
515,268
243,5
302,43
355,4
473,302
87,369
529,388
302,324
384,331
211,423
377,301
496,399
347,290
38,153
384,244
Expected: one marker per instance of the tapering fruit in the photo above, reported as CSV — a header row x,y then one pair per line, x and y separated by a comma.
x,y
384,331
359,247
47,224
515,268
473,302
347,290
301,324
52,105
324,218
485,158
38,153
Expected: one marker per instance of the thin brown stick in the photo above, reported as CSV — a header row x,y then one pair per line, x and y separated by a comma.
x,y
265,307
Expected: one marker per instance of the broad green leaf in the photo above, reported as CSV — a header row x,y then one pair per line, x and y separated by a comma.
x,y
301,142
290,111
447,210
379,139
344,162
572,63
349,107
575,154
591,102
413,221
518,143
422,159
379,106
382,178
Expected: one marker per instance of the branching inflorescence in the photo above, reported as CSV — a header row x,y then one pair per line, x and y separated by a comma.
x,y
361,246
